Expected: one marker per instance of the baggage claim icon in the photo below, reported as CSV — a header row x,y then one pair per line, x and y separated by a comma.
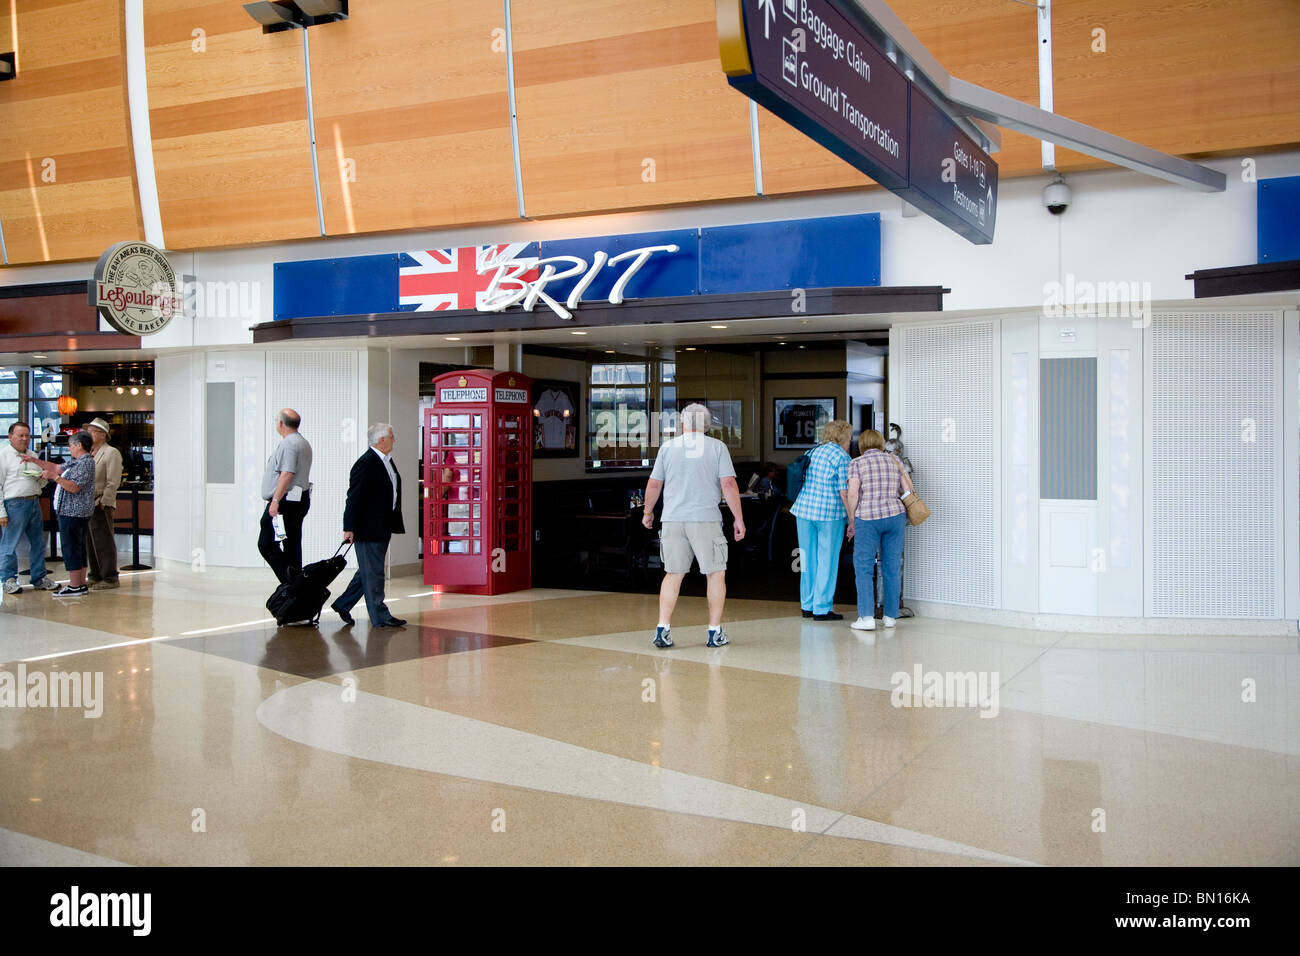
x,y
135,288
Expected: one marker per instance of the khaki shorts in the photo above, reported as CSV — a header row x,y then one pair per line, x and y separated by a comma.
x,y
679,541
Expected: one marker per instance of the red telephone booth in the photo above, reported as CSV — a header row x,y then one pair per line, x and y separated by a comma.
x,y
478,483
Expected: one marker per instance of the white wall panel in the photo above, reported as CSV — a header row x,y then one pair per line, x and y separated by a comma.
x,y
1214,464
322,386
946,395
1020,344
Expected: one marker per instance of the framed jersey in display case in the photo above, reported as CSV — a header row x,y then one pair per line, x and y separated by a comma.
x,y
555,419
799,421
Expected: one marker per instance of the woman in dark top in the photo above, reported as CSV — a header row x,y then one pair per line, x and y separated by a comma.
x,y
75,502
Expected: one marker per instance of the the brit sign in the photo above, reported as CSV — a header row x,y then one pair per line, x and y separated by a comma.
x,y
811,64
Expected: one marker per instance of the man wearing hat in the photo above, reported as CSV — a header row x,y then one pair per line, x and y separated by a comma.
x,y
102,549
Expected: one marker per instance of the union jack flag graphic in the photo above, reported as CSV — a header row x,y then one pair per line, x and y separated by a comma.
x,y
432,280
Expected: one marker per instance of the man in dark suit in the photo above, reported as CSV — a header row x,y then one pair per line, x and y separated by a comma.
x,y
372,515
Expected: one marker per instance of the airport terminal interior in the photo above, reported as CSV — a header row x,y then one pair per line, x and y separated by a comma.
x,y
1046,254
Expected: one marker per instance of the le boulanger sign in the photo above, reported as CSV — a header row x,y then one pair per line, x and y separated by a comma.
x,y
135,288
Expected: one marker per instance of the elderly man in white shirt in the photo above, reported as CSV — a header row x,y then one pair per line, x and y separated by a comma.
x,y
20,512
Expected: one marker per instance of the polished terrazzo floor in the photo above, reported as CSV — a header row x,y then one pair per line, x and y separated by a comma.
x,y
542,728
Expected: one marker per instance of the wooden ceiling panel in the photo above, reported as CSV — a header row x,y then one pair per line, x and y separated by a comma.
x,y
228,115
413,117
67,173
622,105
1182,76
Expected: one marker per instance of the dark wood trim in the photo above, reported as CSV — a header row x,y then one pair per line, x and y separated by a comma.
x,y
665,311
836,376
67,341
78,287
1246,280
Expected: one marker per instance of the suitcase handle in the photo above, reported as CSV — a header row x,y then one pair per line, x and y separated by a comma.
x,y
340,548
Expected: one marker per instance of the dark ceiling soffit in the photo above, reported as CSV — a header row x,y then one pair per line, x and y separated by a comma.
x,y
75,287
1247,280
690,308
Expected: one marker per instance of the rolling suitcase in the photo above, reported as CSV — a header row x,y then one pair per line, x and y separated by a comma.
x,y
301,598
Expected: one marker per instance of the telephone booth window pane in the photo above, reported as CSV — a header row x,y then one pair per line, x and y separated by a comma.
x,y
456,547
478,546
433,438
477,526
459,438
459,458
458,528
433,421
457,511
476,510
478,421
478,458
455,421
478,438
478,493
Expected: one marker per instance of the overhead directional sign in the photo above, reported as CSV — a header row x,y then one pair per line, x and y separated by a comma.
x,y
807,64
816,68
950,178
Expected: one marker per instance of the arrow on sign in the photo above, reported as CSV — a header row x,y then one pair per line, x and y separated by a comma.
x,y
768,9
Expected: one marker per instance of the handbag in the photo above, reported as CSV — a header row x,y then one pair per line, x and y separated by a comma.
x,y
916,509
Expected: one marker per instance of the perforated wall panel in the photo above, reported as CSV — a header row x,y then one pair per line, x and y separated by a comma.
x,y
1214,460
948,411
322,386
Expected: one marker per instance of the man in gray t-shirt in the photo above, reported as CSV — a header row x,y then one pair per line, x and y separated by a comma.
x,y
286,489
693,471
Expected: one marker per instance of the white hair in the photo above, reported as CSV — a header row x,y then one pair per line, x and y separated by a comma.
x,y
696,418
377,431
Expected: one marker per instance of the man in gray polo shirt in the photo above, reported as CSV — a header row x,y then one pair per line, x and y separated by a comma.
x,y
286,489
693,471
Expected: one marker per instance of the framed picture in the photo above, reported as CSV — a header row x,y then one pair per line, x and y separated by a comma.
x,y
555,418
799,421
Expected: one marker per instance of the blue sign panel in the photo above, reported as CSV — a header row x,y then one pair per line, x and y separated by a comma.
x,y
351,286
663,274
836,251
840,251
1278,203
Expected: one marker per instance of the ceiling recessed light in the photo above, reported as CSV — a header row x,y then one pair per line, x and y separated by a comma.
x,y
577,333
39,356
717,326
609,351
452,338
690,348
780,343
801,346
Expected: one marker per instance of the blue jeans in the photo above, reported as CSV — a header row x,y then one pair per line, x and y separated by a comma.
x,y
820,543
369,580
886,536
24,521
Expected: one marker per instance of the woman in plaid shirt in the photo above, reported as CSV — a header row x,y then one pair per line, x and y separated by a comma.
x,y
876,480
822,509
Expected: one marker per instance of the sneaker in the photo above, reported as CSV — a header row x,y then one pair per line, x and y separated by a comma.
x,y
717,638
12,587
864,624
104,586
890,622
69,591
663,637
45,584
828,616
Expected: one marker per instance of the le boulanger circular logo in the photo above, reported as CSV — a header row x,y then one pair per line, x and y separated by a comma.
x,y
135,289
